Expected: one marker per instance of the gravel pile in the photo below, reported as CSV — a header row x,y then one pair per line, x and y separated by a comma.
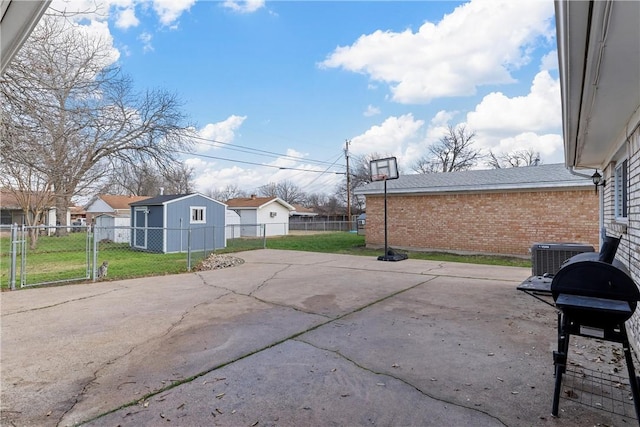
x,y
215,262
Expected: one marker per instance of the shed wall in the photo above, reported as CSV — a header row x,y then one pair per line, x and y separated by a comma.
x,y
507,223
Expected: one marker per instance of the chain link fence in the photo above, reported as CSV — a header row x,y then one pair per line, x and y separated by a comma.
x,y
36,256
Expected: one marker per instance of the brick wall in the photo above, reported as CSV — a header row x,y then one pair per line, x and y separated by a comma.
x,y
629,249
506,223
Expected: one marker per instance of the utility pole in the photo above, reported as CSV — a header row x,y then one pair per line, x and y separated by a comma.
x,y
346,155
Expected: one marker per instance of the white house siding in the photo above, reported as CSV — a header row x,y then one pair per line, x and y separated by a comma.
x,y
277,225
629,250
232,224
249,221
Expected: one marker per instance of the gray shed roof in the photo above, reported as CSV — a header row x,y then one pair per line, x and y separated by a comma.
x,y
168,198
507,179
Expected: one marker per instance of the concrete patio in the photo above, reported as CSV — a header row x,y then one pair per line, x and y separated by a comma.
x,y
291,339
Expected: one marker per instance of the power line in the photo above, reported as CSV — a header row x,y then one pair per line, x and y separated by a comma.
x,y
258,164
250,150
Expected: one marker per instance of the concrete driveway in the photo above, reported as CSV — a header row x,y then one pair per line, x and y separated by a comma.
x,y
289,339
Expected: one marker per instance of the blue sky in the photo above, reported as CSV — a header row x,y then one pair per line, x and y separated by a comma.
x,y
285,83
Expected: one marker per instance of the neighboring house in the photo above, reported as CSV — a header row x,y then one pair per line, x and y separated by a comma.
x,y
599,57
175,223
111,204
496,211
11,211
232,224
77,213
302,214
272,212
112,228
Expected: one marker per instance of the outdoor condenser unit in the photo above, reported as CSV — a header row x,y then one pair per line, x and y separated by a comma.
x,y
547,258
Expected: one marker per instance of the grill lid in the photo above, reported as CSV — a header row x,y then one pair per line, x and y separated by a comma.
x,y
595,292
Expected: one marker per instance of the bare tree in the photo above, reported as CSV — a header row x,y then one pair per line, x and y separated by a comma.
x,y
227,193
73,118
528,157
453,152
33,193
286,190
178,179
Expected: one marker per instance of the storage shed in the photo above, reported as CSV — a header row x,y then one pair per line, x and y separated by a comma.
x,y
113,228
178,223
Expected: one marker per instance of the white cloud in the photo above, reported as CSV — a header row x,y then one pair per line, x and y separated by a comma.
x,y
539,110
390,137
170,10
479,43
146,38
549,61
224,131
371,111
243,6
126,18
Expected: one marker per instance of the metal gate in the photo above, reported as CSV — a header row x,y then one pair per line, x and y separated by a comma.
x,y
40,263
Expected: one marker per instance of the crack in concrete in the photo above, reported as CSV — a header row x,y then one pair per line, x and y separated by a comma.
x,y
63,302
273,276
264,283
402,380
251,353
96,373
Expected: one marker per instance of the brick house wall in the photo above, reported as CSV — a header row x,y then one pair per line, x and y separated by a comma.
x,y
502,223
629,249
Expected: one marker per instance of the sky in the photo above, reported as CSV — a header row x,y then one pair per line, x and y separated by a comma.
x,y
274,89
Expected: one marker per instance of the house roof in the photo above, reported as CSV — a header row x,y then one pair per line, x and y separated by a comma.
x,y
599,59
256,202
507,179
119,201
299,210
168,198
8,199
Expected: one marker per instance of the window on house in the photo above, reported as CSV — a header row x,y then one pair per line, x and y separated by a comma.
x,y
198,215
620,190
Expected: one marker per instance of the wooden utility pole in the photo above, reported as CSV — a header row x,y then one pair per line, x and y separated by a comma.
x,y
346,155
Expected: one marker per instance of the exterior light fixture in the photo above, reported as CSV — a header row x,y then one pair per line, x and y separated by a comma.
x,y
598,180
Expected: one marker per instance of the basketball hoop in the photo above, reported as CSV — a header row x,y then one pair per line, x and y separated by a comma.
x,y
384,170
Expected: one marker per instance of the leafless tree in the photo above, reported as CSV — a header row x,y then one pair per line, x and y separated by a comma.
x,y
453,152
229,192
20,183
74,119
528,157
148,180
286,190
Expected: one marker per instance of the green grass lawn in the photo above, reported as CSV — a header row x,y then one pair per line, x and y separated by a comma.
x,y
353,244
58,259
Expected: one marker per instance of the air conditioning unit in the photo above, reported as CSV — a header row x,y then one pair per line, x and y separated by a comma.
x,y
547,258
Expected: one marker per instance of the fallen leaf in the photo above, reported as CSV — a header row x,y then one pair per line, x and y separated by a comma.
x,y
515,392
395,365
491,354
219,396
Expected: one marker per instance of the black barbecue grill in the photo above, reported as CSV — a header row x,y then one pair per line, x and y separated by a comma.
x,y
594,295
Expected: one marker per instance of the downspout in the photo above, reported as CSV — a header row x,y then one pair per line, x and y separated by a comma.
x,y
603,230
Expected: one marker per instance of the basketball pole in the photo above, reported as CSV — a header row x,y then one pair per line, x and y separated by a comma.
x,y
386,247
